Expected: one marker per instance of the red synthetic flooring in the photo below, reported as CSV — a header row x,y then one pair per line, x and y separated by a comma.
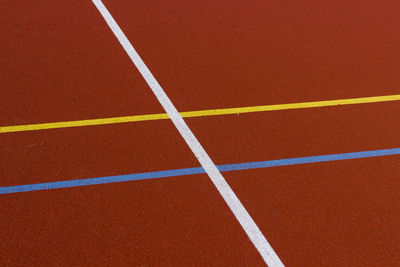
x,y
60,61
88,152
293,133
343,213
231,54
177,221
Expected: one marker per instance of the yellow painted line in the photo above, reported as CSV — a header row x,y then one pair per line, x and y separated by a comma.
x,y
315,104
80,123
199,113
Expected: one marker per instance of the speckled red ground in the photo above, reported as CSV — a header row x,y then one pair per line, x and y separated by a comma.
x,y
60,61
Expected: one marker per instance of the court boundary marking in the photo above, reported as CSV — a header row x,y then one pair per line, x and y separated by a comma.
x,y
198,113
199,170
239,211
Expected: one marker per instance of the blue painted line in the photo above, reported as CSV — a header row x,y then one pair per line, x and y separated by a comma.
x,y
197,170
312,159
100,180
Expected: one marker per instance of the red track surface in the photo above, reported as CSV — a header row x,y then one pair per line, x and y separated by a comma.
x,y
87,152
60,61
162,222
328,214
290,133
230,53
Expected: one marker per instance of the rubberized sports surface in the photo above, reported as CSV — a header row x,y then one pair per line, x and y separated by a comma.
x,y
205,133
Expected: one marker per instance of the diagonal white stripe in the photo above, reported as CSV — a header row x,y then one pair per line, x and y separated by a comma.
x,y
244,218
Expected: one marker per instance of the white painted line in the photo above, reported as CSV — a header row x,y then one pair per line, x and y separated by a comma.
x,y
244,218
